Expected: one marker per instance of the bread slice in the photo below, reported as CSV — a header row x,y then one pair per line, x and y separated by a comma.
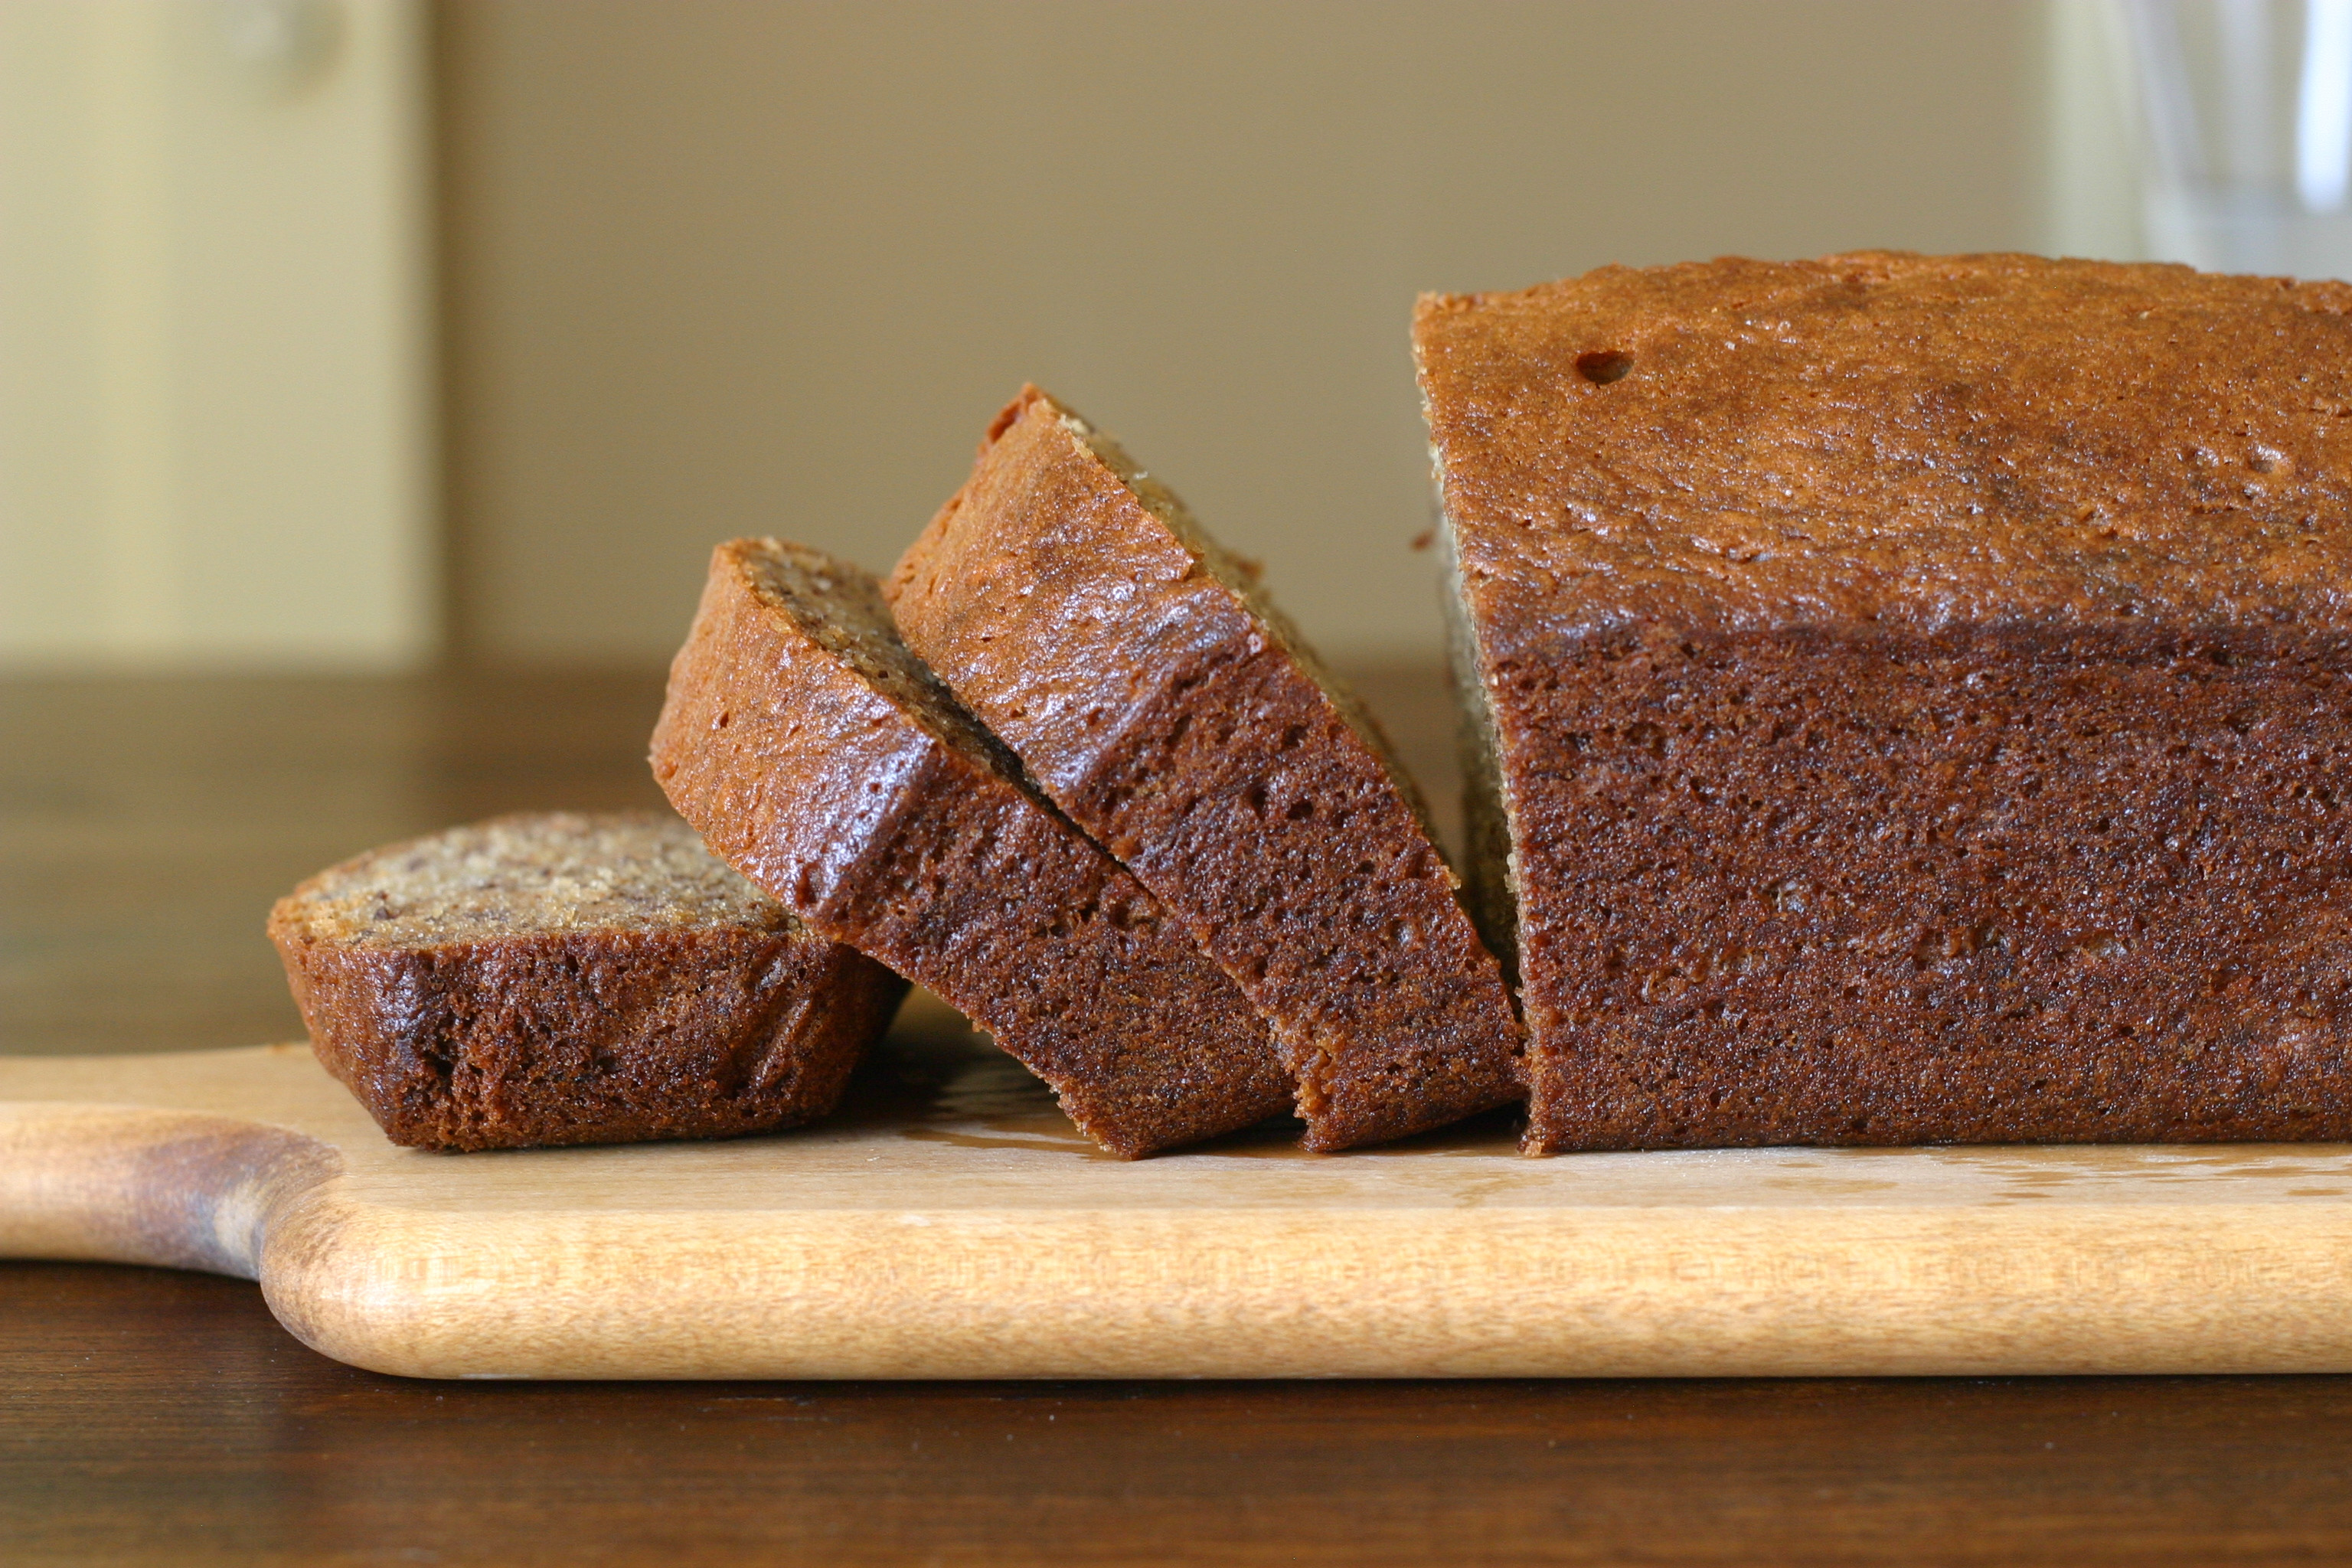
x,y
571,979
1908,694
829,766
1155,693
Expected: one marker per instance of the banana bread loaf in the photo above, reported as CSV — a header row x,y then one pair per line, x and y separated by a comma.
x,y
829,766
1908,696
1155,693
571,979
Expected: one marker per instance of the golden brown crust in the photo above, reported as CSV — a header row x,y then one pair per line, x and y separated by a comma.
x,y
1904,442
1070,603
1915,684
889,831
602,1031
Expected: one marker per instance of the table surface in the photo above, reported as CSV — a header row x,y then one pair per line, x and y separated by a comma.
x,y
149,1416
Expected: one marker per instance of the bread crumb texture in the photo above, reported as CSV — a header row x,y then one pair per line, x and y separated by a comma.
x,y
1153,691
543,874
824,759
564,978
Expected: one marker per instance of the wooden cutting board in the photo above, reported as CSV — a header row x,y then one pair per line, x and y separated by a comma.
x,y
950,1224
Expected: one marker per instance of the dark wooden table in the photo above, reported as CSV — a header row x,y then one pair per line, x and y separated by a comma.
x,y
148,1416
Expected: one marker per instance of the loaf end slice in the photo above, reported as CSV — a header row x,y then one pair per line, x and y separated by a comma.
x,y
1154,690
829,766
564,978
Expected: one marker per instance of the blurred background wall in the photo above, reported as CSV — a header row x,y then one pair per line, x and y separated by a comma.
x,y
711,267
217,396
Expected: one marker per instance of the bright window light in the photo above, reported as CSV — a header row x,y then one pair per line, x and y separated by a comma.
x,y
2322,120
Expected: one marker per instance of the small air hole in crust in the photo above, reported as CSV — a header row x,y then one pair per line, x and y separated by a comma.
x,y
1602,366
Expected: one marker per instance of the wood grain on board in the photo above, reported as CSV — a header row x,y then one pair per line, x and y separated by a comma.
x,y
950,1224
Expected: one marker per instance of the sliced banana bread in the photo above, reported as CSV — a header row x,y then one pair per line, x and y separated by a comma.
x,y
1910,695
571,979
824,761
1154,690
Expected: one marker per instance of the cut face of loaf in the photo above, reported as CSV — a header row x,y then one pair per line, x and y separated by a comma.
x,y
1150,689
571,979
1911,693
830,766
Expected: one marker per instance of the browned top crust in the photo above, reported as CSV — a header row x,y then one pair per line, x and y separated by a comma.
x,y
826,762
1152,691
1747,446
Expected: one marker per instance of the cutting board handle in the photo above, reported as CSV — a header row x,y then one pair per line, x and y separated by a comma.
x,y
177,1189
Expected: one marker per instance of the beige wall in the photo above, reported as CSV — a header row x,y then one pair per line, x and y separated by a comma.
x,y
725,267
214,311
